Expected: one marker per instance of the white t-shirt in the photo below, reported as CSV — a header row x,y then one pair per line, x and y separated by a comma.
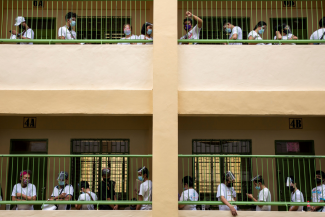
x,y
228,192
318,34
28,34
133,37
297,196
68,35
29,190
265,196
236,30
193,34
285,37
88,206
146,193
255,36
68,189
144,37
319,195
189,195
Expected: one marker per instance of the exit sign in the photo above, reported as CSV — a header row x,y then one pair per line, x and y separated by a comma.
x,y
29,122
295,123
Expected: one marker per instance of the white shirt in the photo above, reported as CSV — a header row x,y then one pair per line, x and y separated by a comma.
x,y
68,189
236,30
68,35
228,192
297,196
189,195
285,37
28,34
88,206
146,193
29,191
144,37
132,37
265,196
319,195
255,36
193,34
318,34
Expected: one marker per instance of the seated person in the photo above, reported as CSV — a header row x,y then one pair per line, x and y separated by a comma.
x,y
86,195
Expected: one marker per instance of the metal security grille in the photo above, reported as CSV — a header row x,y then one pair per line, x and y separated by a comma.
x,y
89,168
208,171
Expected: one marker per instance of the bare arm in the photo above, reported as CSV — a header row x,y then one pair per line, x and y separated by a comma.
x,y
234,36
140,199
251,38
198,19
294,208
278,35
231,207
116,206
24,197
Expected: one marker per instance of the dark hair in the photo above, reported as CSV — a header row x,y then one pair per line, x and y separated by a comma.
x,y
321,173
260,24
84,184
144,171
226,22
144,27
322,22
259,179
70,15
188,19
280,27
127,24
188,180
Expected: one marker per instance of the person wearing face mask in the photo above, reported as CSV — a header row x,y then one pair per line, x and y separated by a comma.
x,y
24,191
263,196
67,32
296,194
146,32
189,194
226,193
86,195
191,32
257,33
318,193
235,32
25,31
63,191
283,32
107,190
127,28
145,192
132,207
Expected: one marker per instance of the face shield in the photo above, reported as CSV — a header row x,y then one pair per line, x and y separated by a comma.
x,y
140,178
289,182
62,177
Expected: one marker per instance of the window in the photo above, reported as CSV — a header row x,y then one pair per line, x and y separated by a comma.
x,y
101,27
208,170
89,168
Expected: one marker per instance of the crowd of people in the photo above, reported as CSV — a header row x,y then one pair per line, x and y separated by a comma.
x,y
282,31
26,191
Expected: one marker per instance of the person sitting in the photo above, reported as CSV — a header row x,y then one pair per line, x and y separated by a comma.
x,y
127,29
86,195
283,32
191,32
189,194
146,33
235,32
25,31
257,33
320,33
264,194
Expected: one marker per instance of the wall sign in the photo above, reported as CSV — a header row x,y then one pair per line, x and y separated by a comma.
x,y
29,122
295,123
38,4
289,4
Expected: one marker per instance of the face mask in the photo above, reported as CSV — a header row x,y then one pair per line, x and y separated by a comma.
x,y
61,183
258,188
228,30
291,188
285,31
140,178
26,181
187,27
132,208
73,23
149,31
318,180
228,185
127,32
261,31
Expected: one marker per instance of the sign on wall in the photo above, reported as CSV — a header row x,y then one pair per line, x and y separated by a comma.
x,y
38,4
289,4
295,123
29,122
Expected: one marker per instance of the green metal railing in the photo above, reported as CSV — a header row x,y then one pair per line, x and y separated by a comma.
x,y
208,172
44,171
96,21
295,21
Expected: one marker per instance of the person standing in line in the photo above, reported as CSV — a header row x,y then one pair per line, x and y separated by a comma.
x,y
26,31
189,194
191,32
263,196
127,29
235,32
86,195
226,193
320,33
296,194
146,32
107,191
318,193
257,33
145,193
24,191
67,31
